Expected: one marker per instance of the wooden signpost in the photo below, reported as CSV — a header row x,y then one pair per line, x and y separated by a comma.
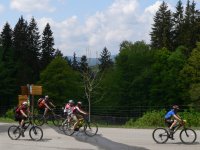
x,y
28,93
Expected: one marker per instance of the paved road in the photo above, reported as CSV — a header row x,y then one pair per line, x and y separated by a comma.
x,y
107,139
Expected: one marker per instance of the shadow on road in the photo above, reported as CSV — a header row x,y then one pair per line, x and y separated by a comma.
x,y
104,143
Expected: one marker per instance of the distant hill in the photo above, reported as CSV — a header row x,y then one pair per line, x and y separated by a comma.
x,y
91,61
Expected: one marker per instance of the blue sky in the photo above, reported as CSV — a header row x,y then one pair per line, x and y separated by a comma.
x,y
87,26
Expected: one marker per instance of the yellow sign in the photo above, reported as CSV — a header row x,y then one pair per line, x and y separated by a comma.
x,y
22,98
24,90
36,90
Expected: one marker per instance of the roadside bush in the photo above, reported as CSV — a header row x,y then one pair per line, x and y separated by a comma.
x,y
10,114
149,119
156,119
192,117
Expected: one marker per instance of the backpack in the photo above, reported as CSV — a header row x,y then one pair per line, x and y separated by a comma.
x,y
16,109
39,101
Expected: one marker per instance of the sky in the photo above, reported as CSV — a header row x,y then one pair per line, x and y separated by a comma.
x,y
87,26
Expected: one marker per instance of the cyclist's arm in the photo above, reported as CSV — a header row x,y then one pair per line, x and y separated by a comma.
x,y
81,111
177,117
47,106
52,104
22,112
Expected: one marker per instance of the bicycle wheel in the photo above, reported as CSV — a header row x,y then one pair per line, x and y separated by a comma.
x,y
57,120
91,129
160,135
68,128
14,132
39,120
188,136
36,133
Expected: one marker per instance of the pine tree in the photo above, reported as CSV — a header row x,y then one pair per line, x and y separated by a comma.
x,y
105,60
75,62
178,25
22,52
47,46
83,65
6,41
34,49
161,35
58,53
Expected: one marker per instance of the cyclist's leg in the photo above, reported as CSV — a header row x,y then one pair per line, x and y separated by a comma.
x,y
76,121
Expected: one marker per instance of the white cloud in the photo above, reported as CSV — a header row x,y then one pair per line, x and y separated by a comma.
x,y
123,20
1,8
31,5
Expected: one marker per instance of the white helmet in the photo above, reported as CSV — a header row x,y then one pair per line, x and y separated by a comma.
x,y
25,103
46,97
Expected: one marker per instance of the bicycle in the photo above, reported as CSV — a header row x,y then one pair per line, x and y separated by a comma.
x,y
187,135
39,120
89,128
35,132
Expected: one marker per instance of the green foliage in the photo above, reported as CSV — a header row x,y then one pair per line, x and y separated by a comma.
x,y
156,119
10,114
149,119
60,82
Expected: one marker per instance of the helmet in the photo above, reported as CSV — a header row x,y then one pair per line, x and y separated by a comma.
x,y
46,97
79,103
25,103
175,107
71,101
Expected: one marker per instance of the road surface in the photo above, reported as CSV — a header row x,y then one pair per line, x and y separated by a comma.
x,y
106,139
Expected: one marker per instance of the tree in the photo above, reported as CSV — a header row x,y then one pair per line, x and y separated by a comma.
x,y
161,35
191,75
58,53
75,62
105,60
6,40
22,52
178,20
48,51
60,81
83,65
34,49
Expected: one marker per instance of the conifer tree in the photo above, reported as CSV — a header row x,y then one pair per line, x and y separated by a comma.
x,y
48,51
34,49
178,19
75,62
105,60
161,35
6,41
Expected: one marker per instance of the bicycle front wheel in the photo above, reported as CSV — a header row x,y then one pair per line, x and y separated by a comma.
x,y
188,136
160,135
91,129
57,120
14,132
36,133
68,128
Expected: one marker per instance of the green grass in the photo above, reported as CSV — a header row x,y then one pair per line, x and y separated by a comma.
x,y
6,120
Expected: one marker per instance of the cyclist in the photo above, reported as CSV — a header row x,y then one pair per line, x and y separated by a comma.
x,y
172,117
46,104
22,113
77,114
69,107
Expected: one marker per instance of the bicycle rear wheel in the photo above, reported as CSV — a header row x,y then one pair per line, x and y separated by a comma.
x,y
14,132
160,135
91,129
36,133
39,120
188,136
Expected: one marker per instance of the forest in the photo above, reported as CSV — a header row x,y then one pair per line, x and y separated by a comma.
x,y
164,72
